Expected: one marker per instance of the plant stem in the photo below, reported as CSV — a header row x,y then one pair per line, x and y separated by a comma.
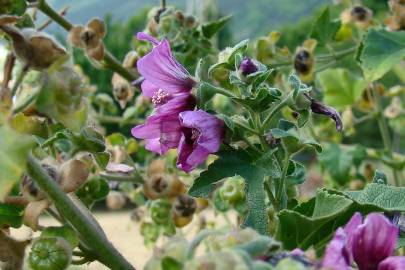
x,y
109,59
163,4
272,199
382,124
281,185
19,80
337,55
277,108
105,251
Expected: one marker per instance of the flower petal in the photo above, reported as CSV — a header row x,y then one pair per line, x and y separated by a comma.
x,y
337,256
373,241
161,69
392,263
148,89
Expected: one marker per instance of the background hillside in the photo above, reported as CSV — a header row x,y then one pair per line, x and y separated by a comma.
x,y
251,18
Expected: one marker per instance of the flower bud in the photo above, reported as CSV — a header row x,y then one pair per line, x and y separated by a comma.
x,y
31,191
37,50
160,211
122,90
396,22
319,108
50,253
247,66
233,190
303,62
115,200
185,205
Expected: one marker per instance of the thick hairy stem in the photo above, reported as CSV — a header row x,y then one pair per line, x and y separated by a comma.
x,y
276,109
109,59
88,231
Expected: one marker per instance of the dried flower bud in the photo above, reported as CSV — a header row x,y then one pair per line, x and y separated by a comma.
x,y
37,50
160,185
361,16
115,200
303,62
247,66
73,175
8,19
397,20
31,191
185,205
89,38
319,108
130,60
122,90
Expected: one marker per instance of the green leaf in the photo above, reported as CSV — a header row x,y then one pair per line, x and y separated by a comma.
x,y
211,28
169,263
324,30
116,139
231,163
337,162
299,230
340,87
296,173
227,56
102,159
11,215
387,198
380,51
14,148
303,118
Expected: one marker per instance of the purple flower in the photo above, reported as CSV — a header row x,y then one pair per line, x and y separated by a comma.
x,y
319,108
161,70
161,132
247,66
370,244
202,135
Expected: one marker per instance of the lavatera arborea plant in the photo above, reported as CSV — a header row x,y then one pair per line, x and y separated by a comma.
x,y
248,145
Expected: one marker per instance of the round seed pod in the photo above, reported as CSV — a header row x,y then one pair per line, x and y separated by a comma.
x,y
183,210
50,254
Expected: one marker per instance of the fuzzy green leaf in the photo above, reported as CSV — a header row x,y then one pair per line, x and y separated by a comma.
x,y
324,30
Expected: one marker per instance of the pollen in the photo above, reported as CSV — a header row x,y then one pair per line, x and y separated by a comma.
x,y
160,97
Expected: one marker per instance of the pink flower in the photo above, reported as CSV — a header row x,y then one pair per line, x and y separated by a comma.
x,y
161,132
163,75
370,244
202,134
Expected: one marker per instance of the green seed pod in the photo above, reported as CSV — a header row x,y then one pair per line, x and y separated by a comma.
x,y
160,211
233,190
50,254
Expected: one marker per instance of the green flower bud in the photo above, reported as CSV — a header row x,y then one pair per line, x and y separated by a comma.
x,y
233,190
50,254
160,211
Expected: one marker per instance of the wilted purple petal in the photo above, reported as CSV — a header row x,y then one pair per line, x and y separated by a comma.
x,y
247,66
393,263
337,256
319,108
119,168
160,68
373,241
202,135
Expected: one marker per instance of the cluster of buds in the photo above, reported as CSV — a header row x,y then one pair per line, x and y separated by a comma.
x,y
170,206
90,38
396,21
168,20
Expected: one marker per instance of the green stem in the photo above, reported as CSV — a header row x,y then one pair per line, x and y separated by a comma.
x,y
110,119
276,109
105,251
109,59
281,184
163,4
245,127
382,124
123,178
19,80
272,199
336,55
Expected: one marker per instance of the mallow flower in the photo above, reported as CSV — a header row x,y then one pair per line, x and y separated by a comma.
x,y
370,243
161,132
163,75
202,134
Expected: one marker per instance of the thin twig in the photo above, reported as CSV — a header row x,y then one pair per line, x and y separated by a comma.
x,y
48,22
